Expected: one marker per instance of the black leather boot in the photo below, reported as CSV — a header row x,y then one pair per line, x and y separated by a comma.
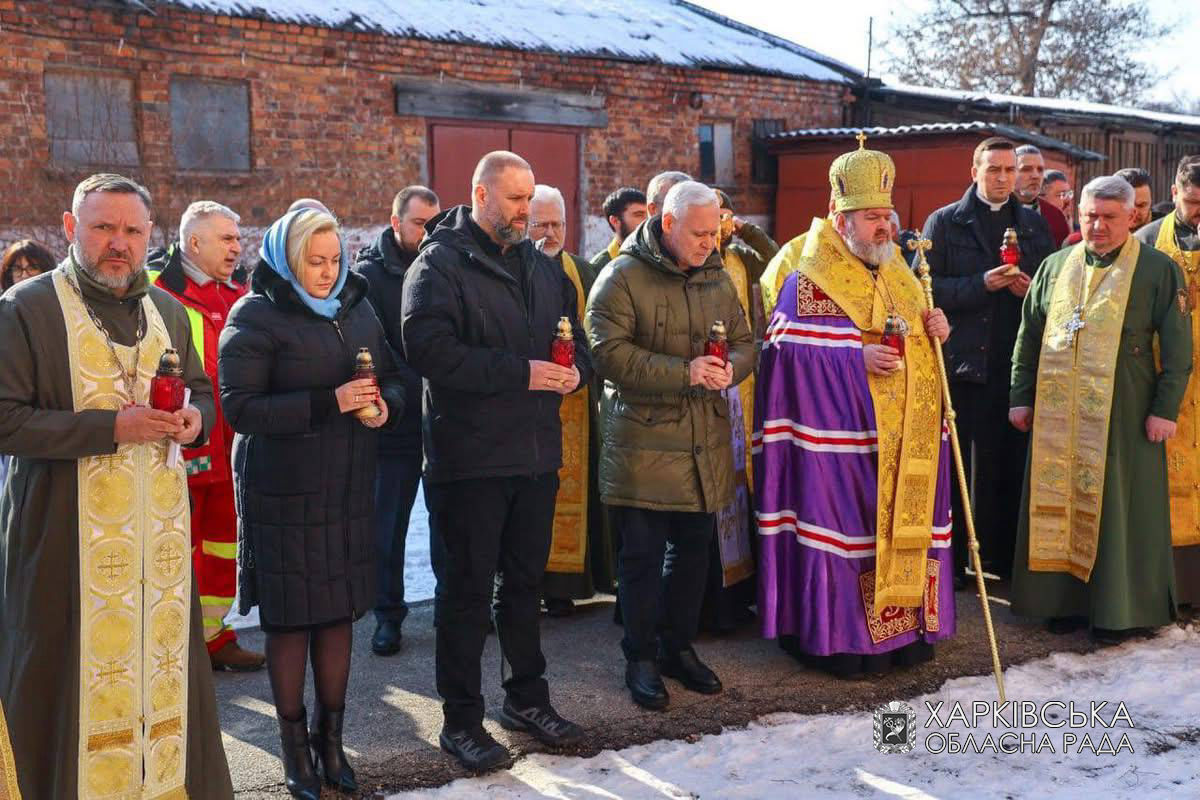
x,y
299,777
328,753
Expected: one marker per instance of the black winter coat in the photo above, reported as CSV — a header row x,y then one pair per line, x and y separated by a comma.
x,y
979,320
383,264
304,474
470,329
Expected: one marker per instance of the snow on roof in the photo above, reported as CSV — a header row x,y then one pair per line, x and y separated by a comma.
x,y
933,128
672,32
1084,107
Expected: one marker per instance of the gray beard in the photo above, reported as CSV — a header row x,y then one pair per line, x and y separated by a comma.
x,y
107,281
552,251
871,253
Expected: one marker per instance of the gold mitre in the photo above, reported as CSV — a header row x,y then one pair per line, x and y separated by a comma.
x,y
862,178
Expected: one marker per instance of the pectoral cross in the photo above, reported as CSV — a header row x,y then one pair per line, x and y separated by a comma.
x,y
1074,325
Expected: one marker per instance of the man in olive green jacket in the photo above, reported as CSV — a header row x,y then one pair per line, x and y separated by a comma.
x,y
666,462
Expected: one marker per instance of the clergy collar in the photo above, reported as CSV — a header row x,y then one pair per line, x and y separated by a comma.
x,y
1094,259
1180,222
93,290
993,206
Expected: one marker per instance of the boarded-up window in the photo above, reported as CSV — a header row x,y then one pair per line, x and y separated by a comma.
x,y
210,124
89,119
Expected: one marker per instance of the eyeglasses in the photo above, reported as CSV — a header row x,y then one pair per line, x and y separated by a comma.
x,y
1066,194
24,270
556,226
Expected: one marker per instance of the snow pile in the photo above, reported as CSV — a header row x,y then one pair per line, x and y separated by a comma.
x,y
642,30
833,755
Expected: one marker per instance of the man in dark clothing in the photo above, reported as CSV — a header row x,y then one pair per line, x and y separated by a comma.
x,y
480,310
398,475
624,209
983,301
1031,174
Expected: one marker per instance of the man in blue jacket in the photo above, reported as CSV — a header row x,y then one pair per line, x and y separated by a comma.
x,y
398,477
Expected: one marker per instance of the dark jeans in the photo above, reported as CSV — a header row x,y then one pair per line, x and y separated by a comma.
x,y
661,567
994,457
493,533
397,478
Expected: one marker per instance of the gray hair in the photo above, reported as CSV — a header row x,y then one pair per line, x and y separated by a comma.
x,y
895,218
1109,187
493,164
660,184
198,212
542,192
1027,150
108,182
688,194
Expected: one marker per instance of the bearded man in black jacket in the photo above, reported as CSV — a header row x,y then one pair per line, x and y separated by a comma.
x,y
480,310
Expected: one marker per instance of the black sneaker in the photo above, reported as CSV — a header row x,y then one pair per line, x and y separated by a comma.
x,y
386,641
689,670
475,749
543,722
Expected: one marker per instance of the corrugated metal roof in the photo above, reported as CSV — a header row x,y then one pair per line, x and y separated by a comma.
x,y
1049,104
670,32
935,128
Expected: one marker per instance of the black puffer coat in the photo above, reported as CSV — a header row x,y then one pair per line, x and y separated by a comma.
x,y
304,474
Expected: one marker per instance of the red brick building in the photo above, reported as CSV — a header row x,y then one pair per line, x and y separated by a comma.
x,y
255,104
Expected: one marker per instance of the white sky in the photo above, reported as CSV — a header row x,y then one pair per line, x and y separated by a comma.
x,y
840,30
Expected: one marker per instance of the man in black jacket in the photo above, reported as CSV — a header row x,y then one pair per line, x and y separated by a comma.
x,y
383,264
480,310
982,297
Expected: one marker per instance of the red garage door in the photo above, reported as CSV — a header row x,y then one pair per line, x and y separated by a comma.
x,y
455,148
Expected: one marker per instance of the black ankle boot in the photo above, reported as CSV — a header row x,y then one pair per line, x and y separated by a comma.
x,y
299,777
327,749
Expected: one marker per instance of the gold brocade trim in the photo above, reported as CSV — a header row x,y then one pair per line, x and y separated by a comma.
x,y
1183,449
568,542
907,404
736,269
1072,411
812,302
134,580
890,621
784,263
8,764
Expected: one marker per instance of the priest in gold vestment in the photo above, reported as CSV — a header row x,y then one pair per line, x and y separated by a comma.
x,y
1178,235
104,677
1094,534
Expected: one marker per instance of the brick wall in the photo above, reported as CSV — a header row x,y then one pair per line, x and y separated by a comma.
x,y
322,112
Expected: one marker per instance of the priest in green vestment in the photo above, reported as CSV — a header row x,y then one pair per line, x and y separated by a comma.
x,y
104,677
1094,536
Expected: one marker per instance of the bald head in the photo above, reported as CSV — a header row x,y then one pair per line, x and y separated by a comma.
x,y
501,191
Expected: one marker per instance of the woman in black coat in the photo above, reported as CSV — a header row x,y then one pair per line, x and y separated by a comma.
x,y
304,473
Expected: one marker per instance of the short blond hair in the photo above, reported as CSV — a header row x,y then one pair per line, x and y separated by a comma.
x,y
307,224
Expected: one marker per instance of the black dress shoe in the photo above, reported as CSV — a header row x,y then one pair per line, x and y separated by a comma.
x,y
386,641
689,670
475,749
543,722
646,686
559,606
326,740
298,774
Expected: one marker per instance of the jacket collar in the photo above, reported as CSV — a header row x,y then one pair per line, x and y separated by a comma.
x,y
267,282
453,228
169,264
645,244
966,213
392,257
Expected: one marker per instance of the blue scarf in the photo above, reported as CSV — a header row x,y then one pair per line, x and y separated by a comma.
x,y
274,252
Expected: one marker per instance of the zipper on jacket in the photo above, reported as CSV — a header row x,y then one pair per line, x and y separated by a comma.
x,y
346,497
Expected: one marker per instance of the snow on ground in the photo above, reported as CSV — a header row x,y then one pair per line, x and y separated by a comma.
x,y
833,755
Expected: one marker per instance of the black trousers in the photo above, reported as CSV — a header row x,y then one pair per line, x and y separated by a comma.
x,y
994,457
397,478
661,567
491,533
